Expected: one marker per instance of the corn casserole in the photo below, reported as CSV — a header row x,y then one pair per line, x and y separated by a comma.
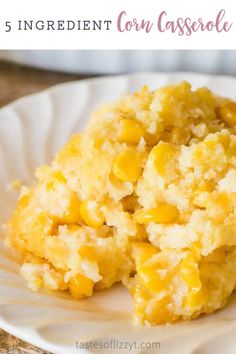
x,y
146,196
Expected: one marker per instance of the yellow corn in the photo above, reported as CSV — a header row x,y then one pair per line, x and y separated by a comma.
x,y
46,173
190,273
228,114
224,140
125,112
74,227
196,248
150,278
161,154
164,213
91,214
59,176
148,273
128,166
223,200
72,148
52,177
161,313
80,286
130,131
88,252
72,214
23,201
195,299
141,234
143,251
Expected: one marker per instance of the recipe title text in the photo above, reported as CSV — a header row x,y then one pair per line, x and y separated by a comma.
x,y
126,23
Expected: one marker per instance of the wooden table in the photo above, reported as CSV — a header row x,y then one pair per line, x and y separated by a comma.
x,y
16,81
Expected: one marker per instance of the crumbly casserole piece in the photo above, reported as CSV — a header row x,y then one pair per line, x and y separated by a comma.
x,y
146,196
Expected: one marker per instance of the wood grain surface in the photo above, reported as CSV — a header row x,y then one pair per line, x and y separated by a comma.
x,y
17,81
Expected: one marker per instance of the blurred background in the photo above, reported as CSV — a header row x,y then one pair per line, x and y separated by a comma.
x,y
110,62
26,71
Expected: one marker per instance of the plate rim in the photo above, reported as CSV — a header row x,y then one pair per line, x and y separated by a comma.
x,y
15,330
101,78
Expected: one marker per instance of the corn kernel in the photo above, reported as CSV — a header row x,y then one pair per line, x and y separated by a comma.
x,y
161,154
128,166
223,201
130,131
80,286
59,177
45,172
179,136
164,213
125,112
196,247
72,214
195,299
74,227
23,202
190,273
225,141
161,313
88,252
91,214
143,251
228,114
150,277
141,234
149,274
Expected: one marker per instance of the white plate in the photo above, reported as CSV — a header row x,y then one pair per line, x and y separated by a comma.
x,y
32,129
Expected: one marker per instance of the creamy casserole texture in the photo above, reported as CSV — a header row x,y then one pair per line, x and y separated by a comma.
x,y
146,196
